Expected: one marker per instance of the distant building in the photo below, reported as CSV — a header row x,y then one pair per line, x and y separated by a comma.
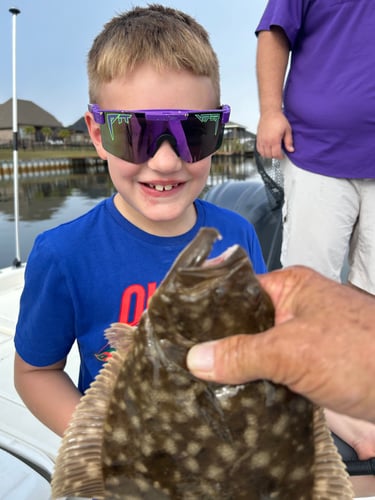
x,y
237,140
29,115
79,132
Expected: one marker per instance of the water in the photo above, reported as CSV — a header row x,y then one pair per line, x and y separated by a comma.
x,y
45,202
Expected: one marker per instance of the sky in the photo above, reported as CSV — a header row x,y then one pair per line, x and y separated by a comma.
x,y
53,39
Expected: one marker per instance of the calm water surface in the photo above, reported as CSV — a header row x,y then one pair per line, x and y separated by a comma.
x,y
45,202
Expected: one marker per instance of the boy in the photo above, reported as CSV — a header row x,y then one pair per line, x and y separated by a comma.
x,y
104,266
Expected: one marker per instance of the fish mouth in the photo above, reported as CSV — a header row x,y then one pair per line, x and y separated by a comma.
x,y
196,253
195,256
193,264
220,259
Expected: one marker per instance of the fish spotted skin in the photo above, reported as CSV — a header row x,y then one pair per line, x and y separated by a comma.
x,y
148,429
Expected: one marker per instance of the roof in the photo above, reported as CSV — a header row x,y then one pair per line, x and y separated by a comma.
x,y
234,125
28,113
79,126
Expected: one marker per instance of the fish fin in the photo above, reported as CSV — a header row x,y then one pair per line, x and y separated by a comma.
x,y
78,467
120,336
332,481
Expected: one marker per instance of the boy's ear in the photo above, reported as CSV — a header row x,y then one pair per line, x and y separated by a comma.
x,y
96,138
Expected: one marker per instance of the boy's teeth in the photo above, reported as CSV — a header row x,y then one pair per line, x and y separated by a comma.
x,y
159,187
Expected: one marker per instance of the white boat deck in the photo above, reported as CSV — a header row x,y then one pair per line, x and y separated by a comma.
x,y
20,432
11,284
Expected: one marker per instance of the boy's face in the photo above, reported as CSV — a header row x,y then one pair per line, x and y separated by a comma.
x,y
157,195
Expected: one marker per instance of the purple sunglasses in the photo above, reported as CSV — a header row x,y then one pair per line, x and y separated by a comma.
x,y
135,136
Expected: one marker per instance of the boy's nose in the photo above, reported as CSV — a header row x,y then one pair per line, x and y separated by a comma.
x,y
165,158
166,137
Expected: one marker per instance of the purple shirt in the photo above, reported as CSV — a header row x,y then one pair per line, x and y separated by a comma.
x,y
329,95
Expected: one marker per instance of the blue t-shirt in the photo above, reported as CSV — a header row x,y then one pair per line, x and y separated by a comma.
x,y
329,95
98,269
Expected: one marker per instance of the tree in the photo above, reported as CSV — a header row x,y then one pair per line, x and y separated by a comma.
x,y
47,132
28,133
64,134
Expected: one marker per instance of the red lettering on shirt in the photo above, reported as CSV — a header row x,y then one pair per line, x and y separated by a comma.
x,y
134,301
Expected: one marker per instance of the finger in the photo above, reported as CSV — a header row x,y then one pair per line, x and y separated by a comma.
x,y
234,360
263,149
270,146
285,355
277,354
288,141
277,153
284,286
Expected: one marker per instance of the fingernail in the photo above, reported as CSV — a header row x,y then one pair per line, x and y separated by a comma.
x,y
200,358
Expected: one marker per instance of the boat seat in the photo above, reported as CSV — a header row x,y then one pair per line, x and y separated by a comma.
x,y
249,198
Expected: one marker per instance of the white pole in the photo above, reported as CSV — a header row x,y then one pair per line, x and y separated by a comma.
x,y
17,259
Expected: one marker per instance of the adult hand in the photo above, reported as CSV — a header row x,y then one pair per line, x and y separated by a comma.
x,y
274,131
322,345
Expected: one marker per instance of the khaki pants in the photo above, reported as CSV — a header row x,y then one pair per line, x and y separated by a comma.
x,y
327,218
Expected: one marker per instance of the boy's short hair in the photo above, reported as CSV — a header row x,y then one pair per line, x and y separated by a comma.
x,y
164,37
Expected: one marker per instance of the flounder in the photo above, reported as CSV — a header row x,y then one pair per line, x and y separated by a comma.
x,y
148,429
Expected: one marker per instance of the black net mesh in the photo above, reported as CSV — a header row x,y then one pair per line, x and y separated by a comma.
x,y
270,171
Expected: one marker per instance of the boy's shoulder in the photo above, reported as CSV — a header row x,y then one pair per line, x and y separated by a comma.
x,y
222,214
234,229
82,232
89,219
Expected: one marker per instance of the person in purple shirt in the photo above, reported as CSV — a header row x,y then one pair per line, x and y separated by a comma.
x,y
321,117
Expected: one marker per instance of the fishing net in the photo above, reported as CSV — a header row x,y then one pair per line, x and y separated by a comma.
x,y
271,173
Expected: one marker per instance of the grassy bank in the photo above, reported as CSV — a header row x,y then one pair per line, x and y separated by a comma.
x,y
43,154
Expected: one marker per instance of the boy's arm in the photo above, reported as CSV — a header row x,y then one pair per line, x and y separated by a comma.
x,y
48,392
272,61
359,434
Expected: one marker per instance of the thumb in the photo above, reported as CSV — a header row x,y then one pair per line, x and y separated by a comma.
x,y
288,141
233,360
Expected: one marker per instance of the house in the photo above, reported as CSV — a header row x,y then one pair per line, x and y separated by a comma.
x,y
31,120
79,133
237,140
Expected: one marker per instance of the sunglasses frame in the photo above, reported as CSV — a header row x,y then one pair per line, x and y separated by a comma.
x,y
159,114
174,117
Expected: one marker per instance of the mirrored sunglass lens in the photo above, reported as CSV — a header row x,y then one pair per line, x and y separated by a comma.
x,y
121,136
204,134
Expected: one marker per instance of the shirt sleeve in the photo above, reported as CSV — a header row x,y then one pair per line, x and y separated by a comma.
x,y
286,14
45,328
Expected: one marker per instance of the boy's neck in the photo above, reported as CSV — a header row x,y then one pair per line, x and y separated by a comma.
x,y
170,227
